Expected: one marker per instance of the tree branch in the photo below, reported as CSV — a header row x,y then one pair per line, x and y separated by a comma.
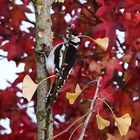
x,y
70,126
2,57
91,108
75,130
43,38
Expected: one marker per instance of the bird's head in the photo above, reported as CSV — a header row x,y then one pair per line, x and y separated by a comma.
x,y
73,39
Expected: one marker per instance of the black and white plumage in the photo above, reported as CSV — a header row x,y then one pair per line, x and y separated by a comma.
x,y
57,63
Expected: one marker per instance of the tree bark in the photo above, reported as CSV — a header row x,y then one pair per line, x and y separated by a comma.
x,y
43,44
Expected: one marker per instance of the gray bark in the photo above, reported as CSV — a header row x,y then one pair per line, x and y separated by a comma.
x,y
43,43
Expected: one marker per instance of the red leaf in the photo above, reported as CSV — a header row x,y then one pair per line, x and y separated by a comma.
x,y
13,51
19,13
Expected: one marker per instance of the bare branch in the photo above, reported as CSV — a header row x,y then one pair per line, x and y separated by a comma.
x,y
2,57
91,108
76,121
75,130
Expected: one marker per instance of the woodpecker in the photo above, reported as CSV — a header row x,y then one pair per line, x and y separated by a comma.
x,y
62,58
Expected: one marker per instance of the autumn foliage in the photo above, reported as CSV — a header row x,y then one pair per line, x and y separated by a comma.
x,y
119,66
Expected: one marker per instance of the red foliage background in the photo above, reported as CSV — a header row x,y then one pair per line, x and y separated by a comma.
x,y
119,65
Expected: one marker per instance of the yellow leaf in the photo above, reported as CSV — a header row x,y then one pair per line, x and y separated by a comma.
x,y
102,42
60,1
29,87
116,136
73,96
123,124
102,123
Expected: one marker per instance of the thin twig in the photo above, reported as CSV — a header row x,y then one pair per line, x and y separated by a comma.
x,y
88,84
2,57
91,108
64,131
107,106
75,130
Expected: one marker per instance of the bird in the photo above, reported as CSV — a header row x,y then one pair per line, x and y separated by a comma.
x,y
62,57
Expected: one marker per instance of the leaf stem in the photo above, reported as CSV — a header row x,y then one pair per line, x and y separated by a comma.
x,y
88,85
108,106
87,37
45,79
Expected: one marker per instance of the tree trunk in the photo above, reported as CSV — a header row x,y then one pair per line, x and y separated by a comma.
x,y
43,43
